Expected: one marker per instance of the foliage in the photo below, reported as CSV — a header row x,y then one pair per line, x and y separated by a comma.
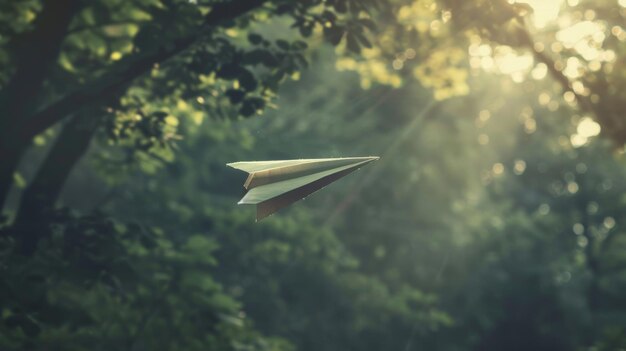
x,y
493,220
97,284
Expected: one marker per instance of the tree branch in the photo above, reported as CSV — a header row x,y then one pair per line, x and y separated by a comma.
x,y
79,29
41,194
9,160
128,70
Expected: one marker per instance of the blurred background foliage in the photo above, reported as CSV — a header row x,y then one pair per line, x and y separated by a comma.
x,y
493,220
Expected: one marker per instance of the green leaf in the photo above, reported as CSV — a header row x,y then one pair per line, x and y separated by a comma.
x,y
366,22
251,105
235,95
247,80
230,71
352,44
260,56
255,38
334,34
299,45
283,44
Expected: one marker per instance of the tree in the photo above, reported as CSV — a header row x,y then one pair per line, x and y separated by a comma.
x,y
457,254
90,63
120,68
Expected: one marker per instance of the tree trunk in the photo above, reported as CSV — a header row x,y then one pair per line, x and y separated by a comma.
x,y
42,193
34,52
9,159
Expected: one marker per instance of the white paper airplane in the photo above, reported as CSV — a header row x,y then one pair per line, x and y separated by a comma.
x,y
273,185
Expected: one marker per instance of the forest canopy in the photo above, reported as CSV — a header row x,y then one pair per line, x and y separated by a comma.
x,y
493,220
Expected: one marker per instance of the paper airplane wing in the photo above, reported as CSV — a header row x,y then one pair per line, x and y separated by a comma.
x,y
273,185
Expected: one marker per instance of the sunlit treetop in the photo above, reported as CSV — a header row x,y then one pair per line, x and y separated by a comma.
x,y
574,43
146,67
580,45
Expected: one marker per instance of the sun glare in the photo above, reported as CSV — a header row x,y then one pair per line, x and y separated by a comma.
x,y
585,36
586,129
514,65
504,59
544,11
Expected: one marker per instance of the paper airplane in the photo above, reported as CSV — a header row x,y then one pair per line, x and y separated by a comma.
x,y
273,185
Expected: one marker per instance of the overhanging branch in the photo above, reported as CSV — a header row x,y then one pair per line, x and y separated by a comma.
x,y
128,70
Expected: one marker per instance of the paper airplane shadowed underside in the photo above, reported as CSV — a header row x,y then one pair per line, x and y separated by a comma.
x,y
273,185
